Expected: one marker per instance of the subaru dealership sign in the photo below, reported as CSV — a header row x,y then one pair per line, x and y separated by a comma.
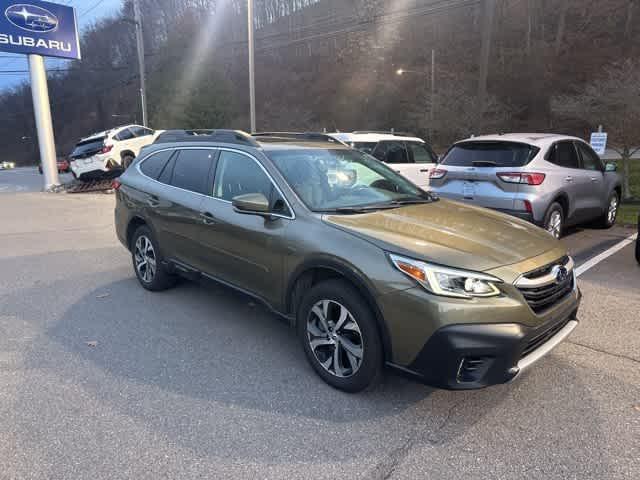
x,y
37,27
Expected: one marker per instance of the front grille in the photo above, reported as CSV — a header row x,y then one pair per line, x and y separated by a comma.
x,y
541,338
541,298
541,290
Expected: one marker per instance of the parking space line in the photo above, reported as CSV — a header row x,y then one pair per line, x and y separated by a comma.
x,y
604,255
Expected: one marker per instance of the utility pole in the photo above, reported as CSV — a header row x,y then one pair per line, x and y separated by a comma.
x,y
140,45
433,94
252,67
488,13
42,111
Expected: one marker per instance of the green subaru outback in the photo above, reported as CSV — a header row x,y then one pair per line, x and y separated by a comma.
x,y
369,269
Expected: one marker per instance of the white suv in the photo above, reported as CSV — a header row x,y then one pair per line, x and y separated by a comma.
x,y
107,153
410,156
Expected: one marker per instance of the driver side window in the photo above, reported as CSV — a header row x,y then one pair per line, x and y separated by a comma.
x,y
237,174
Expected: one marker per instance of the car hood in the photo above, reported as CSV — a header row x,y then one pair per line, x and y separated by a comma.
x,y
450,233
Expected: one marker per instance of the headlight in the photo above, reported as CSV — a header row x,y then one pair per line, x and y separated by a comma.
x,y
449,282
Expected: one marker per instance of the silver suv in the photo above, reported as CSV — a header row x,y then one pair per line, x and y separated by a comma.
x,y
551,180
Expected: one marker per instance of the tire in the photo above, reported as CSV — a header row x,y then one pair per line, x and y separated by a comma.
x,y
144,248
554,215
608,219
126,161
318,321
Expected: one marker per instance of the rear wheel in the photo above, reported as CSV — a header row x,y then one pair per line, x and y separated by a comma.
x,y
339,336
554,220
147,262
608,219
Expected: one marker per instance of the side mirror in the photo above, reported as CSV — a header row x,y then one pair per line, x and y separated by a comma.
x,y
611,167
251,204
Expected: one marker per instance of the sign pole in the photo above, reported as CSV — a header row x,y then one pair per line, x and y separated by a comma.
x,y
42,110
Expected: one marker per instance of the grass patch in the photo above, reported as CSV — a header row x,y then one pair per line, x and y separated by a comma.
x,y
628,214
634,176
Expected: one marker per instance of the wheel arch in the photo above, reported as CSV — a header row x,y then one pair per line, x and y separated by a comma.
x,y
319,269
134,223
562,198
125,153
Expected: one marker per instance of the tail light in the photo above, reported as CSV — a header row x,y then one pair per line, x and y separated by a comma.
x,y
528,178
527,206
116,184
437,173
106,149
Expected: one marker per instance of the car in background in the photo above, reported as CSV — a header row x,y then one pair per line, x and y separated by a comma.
x,y
63,165
7,165
408,155
367,267
551,180
106,154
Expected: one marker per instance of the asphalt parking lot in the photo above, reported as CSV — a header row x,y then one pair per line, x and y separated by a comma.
x,y
102,379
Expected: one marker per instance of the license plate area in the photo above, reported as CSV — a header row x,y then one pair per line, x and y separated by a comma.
x,y
468,190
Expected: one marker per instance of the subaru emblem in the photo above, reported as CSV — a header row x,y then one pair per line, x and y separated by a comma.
x,y
31,18
561,273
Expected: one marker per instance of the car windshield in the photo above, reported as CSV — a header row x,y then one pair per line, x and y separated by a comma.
x,y
344,181
490,154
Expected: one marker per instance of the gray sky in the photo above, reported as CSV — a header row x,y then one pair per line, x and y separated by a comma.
x,y
87,11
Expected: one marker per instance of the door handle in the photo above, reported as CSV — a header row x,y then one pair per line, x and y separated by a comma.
x,y
594,179
424,170
153,201
568,178
207,218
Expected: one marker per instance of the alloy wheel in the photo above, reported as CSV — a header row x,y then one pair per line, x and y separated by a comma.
x,y
613,209
554,227
145,258
335,338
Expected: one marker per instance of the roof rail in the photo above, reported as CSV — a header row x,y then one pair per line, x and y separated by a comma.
x,y
313,136
386,132
207,135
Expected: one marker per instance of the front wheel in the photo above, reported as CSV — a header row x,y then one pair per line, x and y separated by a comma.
x,y
339,336
554,220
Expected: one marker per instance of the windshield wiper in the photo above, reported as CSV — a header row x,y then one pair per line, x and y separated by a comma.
x,y
362,209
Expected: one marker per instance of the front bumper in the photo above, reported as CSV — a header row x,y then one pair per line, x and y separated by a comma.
x,y
476,347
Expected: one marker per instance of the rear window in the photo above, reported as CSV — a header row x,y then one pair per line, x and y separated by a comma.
x,y
490,154
88,146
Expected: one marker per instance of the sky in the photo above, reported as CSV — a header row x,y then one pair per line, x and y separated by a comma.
x,y
87,11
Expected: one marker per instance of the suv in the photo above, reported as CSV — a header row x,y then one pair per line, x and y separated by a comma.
x,y
368,268
551,180
106,153
410,156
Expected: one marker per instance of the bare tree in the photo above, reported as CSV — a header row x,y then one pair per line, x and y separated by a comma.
x,y
613,101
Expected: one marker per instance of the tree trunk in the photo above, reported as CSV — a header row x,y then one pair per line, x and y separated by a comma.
x,y
626,190
629,23
562,21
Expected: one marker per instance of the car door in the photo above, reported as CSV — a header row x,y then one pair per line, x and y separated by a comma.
x,y
421,160
593,191
568,176
175,205
246,251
